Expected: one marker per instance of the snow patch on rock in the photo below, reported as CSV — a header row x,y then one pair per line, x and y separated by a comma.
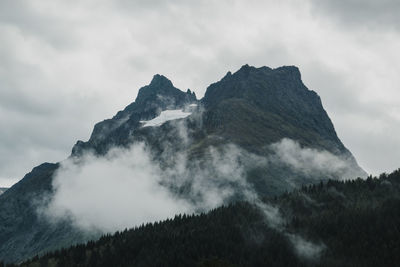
x,y
166,115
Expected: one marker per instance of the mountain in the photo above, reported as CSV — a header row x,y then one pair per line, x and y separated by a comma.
x,y
251,110
352,223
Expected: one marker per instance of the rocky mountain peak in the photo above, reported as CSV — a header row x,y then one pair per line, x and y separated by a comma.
x,y
251,83
151,100
161,90
290,72
160,81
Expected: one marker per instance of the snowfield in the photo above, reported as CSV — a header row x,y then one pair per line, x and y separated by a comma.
x,y
166,115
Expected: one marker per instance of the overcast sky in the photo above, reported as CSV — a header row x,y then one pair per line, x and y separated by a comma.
x,y
65,65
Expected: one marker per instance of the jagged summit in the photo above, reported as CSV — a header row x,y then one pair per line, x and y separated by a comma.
x,y
247,69
159,85
162,92
245,83
160,80
151,100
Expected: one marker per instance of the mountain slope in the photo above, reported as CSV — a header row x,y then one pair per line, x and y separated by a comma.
x,y
22,232
251,109
355,223
2,190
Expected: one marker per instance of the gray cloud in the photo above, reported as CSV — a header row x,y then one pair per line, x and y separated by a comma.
x,y
313,162
306,249
111,193
65,66
378,15
127,188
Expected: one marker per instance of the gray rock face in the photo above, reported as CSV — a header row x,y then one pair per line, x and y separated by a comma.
x,y
251,108
281,95
2,190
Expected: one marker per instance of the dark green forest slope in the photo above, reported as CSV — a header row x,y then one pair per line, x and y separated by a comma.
x,y
354,223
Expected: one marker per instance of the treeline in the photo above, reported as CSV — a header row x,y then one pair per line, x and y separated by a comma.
x,y
356,223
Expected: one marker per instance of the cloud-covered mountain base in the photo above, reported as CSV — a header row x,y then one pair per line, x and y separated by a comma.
x,y
127,187
112,192
354,222
313,162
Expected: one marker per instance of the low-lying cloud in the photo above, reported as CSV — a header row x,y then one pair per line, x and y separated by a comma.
x,y
113,192
306,249
314,162
127,187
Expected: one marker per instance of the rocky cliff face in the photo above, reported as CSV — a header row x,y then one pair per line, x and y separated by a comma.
x,y
251,108
256,107
270,104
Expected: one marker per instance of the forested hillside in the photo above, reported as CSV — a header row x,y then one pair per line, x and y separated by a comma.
x,y
353,223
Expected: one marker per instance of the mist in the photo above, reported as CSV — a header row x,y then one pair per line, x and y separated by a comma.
x,y
113,192
313,162
128,187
